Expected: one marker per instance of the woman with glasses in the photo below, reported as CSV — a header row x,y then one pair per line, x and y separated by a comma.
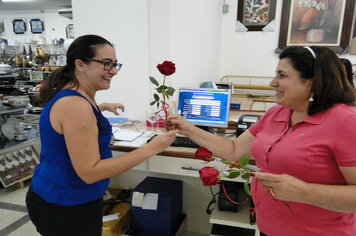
x,y
65,196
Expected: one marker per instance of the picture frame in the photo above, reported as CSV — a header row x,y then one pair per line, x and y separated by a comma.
x,y
37,26
19,26
70,31
327,25
2,27
256,14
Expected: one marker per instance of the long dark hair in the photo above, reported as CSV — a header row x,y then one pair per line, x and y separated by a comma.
x,y
329,80
82,48
348,67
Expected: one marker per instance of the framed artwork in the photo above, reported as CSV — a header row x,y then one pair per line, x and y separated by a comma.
x,y
70,31
317,23
37,26
256,14
19,26
2,27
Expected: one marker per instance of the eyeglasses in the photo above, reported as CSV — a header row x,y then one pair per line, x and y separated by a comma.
x,y
108,64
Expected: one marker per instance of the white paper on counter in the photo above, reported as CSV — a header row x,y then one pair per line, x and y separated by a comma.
x,y
111,217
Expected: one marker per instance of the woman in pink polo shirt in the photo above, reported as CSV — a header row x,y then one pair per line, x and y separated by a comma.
x,y
304,146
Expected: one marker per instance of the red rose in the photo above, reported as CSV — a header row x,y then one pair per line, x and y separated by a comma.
x,y
204,154
166,68
209,175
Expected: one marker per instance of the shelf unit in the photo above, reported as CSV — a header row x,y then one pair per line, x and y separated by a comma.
x,y
240,219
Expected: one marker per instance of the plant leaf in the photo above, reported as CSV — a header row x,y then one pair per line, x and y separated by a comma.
x,y
156,97
244,160
170,91
152,103
247,188
161,88
154,81
245,176
233,173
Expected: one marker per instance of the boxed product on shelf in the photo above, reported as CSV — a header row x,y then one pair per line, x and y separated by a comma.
x,y
168,212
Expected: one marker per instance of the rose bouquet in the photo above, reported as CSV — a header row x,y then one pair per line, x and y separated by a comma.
x,y
212,176
166,68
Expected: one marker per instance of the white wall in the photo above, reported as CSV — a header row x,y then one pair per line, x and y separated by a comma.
x,y
125,24
149,32
54,25
250,53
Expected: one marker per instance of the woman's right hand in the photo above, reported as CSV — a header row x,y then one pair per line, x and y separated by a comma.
x,y
178,122
162,141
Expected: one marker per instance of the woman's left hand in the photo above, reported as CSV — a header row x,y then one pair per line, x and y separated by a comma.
x,y
283,187
112,107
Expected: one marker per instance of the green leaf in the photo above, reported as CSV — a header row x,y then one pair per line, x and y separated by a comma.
x,y
156,97
152,103
161,88
245,176
244,160
170,91
154,81
233,173
247,188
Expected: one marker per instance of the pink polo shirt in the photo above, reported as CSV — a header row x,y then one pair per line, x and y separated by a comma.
x,y
311,150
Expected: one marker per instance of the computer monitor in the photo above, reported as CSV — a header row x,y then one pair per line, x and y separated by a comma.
x,y
204,106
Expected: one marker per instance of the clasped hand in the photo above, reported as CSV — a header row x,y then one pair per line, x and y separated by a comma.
x,y
285,187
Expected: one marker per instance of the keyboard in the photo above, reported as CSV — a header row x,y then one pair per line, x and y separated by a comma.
x,y
184,142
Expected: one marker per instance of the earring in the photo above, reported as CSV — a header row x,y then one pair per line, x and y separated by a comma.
x,y
311,99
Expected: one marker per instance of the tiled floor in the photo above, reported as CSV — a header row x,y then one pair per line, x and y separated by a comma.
x,y
14,220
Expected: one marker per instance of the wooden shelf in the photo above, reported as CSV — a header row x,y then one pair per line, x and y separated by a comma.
x,y
256,87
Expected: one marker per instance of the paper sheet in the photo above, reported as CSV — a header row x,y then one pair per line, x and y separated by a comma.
x,y
150,201
111,217
125,134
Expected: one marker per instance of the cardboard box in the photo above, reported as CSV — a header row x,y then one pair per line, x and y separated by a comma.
x,y
118,227
169,207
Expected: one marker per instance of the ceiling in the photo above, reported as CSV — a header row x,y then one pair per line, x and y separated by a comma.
x,y
34,5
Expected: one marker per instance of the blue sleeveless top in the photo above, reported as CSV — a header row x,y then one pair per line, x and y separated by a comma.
x,y
54,178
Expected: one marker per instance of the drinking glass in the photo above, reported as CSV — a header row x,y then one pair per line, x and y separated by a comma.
x,y
152,118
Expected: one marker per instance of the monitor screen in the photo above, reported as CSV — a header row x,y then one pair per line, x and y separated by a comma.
x,y
204,106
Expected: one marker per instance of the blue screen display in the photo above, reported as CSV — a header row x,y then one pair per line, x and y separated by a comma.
x,y
204,107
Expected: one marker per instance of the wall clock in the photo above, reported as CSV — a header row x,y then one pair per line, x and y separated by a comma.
x,y
37,26
19,26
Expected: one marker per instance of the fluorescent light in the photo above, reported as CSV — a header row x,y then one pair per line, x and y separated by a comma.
x,y
16,0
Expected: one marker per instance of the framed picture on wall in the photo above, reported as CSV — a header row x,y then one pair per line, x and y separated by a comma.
x,y
37,26
19,26
2,27
256,14
325,23
70,31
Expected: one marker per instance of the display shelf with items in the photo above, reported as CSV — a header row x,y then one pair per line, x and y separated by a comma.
x,y
252,93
